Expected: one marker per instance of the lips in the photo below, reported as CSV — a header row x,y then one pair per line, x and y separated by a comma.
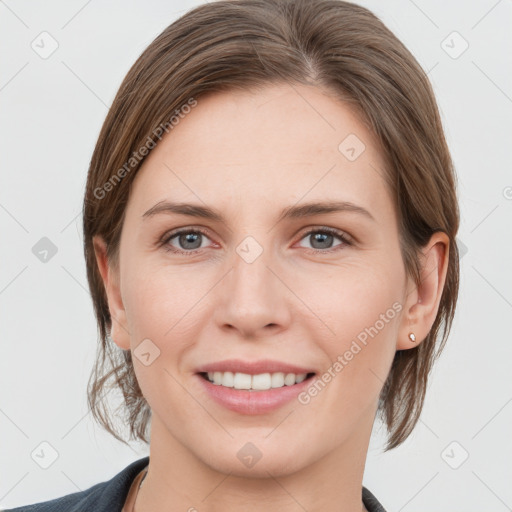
x,y
253,367
248,401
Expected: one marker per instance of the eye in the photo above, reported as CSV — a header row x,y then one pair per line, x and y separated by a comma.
x,y
322,239
189,241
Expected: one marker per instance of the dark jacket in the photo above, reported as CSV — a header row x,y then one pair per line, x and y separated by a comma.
x,y
110,496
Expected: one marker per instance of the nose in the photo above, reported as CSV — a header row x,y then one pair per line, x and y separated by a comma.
x,y
253,298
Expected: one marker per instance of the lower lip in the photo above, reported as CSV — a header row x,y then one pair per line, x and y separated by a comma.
x,y
244,401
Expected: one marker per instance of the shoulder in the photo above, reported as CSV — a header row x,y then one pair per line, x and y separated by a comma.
x,y
371,503
106,496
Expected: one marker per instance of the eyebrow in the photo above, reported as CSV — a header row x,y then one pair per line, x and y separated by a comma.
x,y
291,212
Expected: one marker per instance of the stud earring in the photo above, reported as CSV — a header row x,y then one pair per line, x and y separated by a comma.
x,y
412,337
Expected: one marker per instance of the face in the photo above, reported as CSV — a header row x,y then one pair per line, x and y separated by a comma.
x,y
267,280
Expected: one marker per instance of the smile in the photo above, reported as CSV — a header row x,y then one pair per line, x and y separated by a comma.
x,y
258,382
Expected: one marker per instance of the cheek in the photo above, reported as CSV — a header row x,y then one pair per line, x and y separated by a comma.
x,y
159,301
351,298
360,310
161,313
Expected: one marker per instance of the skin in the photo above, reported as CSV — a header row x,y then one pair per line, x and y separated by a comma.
x,y
249,155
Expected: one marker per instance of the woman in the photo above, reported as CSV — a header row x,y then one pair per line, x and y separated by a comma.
x,y
269,230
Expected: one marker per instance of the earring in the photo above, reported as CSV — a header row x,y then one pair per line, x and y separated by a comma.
x,y
412,337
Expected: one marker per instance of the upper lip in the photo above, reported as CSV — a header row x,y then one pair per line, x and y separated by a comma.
x,y
252,367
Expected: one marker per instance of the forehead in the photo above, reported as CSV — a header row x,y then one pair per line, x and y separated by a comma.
x,y
282,141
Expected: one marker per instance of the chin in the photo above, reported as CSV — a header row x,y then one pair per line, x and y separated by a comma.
x,y
248,459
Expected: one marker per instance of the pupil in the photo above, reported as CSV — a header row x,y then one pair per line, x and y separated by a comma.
x,y
190,238
194,238
320,237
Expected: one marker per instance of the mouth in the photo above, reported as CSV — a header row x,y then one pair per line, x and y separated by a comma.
x,y
253,393
255,382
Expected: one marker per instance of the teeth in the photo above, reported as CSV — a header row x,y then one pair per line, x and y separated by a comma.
x,y
259,382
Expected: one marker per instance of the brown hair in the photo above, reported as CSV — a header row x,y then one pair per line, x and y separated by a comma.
x,y
241,44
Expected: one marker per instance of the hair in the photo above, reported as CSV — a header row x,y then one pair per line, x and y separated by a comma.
x,y
247,44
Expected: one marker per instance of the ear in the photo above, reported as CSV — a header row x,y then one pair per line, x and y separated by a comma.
x,y
422,301
110,276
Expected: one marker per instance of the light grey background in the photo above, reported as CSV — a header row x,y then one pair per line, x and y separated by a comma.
x,y
51,113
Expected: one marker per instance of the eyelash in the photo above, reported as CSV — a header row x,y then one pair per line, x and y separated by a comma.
x,y
331,231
